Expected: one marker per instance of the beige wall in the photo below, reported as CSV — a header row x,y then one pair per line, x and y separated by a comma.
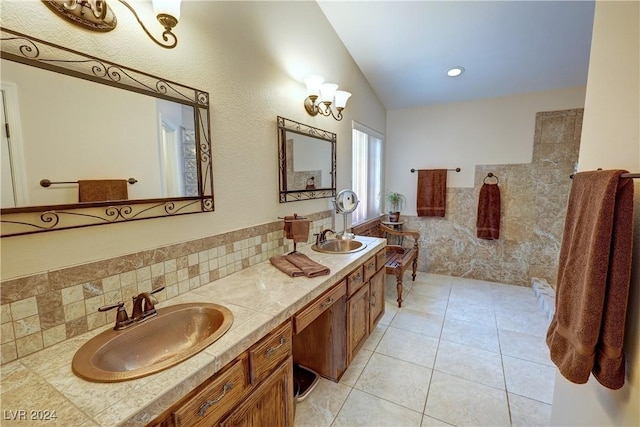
x,y
611,139
466,134
251,57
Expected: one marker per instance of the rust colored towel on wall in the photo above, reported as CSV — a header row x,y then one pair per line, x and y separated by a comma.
x,y
309,267
297,229
432,192
102,190
488,221
586,334
282,264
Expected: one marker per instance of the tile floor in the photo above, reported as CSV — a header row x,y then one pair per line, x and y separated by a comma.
x,y
459,352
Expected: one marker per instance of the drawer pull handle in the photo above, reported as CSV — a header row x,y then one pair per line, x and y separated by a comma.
x,y
327,303
228,386
270,350
372,300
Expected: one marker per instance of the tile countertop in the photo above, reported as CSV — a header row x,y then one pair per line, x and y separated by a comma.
x,y
260,297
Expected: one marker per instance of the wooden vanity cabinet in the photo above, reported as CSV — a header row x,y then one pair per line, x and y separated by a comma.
x,y
320,336
256,389
365,306
357,321
271,404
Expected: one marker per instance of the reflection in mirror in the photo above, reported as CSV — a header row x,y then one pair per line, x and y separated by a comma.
x,y
76,130
71,130
307,161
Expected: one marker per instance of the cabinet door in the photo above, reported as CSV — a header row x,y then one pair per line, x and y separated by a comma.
x,y
357,320
271,404
376,298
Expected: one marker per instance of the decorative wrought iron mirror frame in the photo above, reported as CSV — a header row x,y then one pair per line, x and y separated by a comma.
x,y
287,125
35,219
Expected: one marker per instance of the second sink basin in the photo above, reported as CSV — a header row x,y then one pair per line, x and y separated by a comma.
x,y
175,334
338,246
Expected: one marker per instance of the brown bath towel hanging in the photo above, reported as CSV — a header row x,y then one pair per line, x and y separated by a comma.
x,y
432,192
586,334
488,221
102,190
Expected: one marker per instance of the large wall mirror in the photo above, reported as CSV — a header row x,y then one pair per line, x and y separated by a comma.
x,y
307,161
92,142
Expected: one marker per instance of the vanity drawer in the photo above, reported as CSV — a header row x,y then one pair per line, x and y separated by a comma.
x,y
369,268
302,319
381,259
215,400
268,353
355,280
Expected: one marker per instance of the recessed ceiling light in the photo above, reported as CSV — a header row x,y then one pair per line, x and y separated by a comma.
x,y
455,71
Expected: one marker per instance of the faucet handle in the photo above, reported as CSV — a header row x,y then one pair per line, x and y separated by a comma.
x,y
156,290
118,305
122,319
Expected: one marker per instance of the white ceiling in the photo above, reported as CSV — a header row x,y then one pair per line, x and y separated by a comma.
x,y
404,48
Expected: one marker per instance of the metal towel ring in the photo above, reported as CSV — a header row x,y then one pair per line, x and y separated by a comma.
x,y
490,175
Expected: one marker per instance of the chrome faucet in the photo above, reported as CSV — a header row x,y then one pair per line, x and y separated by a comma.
x,y
143,308
322,236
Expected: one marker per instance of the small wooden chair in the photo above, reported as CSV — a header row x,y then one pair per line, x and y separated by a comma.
x,y
399,258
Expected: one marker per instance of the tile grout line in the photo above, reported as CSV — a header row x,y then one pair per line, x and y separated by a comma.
x,y
504,375
435,357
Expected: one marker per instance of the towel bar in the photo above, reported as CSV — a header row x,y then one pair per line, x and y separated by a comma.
x,y
47,183
456,169
624,175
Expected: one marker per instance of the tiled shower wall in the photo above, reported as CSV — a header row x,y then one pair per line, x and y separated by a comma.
x,y
533,197
41,310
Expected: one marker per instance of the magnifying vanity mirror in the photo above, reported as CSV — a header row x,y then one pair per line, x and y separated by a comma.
x,y
307,161
345,203
74,117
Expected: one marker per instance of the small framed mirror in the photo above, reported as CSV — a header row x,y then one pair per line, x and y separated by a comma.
x,y
307,161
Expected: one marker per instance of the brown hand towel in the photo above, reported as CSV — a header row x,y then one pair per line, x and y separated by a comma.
x,y
488,222
309,267
297,229
432,192
587,331
282,264
102,190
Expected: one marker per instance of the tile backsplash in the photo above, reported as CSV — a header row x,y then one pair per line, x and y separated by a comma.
x,y
43,309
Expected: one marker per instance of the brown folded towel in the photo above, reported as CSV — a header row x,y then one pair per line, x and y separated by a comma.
x,y
102,190
309,267
432,192
281,263
587,331
488,222
297,229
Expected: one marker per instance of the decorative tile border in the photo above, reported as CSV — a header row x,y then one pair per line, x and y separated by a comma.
x,y
46,308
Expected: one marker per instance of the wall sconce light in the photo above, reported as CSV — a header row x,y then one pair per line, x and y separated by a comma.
x,y
321,95
96,15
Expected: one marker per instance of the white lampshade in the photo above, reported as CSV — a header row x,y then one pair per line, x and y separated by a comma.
x,y
327,92
341,98
313,84
168,7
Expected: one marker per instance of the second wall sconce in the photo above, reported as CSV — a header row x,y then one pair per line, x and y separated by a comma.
x,y
96,15
322,95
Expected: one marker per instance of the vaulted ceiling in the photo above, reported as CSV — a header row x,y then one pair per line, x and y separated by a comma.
x,y
404,48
